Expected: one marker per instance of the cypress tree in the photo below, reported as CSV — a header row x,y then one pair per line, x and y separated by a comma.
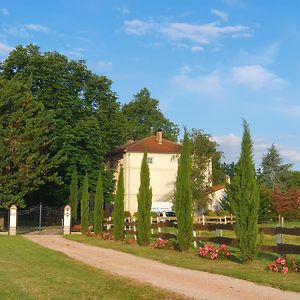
x,y
243,198
144,199
118,213
183,197
98,208
85,205
73,198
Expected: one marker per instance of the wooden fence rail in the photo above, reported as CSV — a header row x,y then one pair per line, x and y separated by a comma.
x,y
215,224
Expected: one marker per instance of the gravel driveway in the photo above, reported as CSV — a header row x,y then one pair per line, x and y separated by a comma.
x,y
194,284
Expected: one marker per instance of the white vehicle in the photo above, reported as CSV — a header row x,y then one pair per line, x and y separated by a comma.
x,y
167,214
159,206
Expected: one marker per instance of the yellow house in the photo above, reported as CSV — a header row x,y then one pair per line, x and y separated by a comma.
x,y
163,162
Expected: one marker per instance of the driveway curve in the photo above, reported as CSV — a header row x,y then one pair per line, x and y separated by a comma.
x,y
192,284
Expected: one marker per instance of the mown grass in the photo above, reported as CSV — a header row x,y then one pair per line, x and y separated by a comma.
x,y
255,271
29,271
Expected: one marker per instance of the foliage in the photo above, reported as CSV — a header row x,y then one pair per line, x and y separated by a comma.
x,y
229,169
183,196
73,198
118,213
127,214
144,199
266,212
287,203
293,179
98,208
282,265
55,115
159,244
206,167
209,251
273,171
243,198
85,205
145,117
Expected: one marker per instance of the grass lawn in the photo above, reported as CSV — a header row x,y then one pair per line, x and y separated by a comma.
x,y
255,271
29,271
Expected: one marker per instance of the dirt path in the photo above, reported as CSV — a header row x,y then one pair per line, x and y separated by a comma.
x,y
194,284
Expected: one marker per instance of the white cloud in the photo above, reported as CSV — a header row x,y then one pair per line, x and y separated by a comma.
x,y
291,155
197,49
36,27
256,77
220,14
196,35
103,65
137,27
230,145
5,12
4,49
123,10
209,85
75,53
203,34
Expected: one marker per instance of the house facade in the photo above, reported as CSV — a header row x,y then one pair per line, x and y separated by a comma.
x,y
163,158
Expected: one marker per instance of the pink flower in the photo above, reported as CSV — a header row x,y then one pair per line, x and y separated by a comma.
x,y
284,270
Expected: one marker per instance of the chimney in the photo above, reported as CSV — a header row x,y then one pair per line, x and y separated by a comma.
x,y
159,136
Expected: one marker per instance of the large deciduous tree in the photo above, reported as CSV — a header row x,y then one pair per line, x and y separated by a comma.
x,y
118,213
144,199
145,117
183,196
243,198
206,167
55,115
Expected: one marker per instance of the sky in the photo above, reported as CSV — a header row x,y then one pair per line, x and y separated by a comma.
x,y
210,63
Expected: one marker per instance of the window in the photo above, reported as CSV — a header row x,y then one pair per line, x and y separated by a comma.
x,y
150,160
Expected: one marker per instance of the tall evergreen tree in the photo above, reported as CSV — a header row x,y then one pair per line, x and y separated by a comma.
x,y
118,213
85,205
73,198
183,196
144,199
243,198
98,208
273,171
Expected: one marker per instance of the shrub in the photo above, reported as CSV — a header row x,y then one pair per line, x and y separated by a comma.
x,y
76,228
282,265
210,213
160,244
129,241
222,213
209,251
154,214
127,214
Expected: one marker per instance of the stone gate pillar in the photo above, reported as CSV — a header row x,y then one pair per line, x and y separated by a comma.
x,y
13,220
67,219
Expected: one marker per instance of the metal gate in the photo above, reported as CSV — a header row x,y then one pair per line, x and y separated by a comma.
x,y
4,220
40,219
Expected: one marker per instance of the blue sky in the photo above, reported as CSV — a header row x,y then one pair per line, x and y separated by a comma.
x,y
210,63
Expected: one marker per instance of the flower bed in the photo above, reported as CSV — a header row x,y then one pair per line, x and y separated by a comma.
x,y
209,251
282,265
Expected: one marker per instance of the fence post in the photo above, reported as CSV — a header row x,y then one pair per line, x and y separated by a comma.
x,y
225,219
67,220
158,228
151,219
134,228
194,235
13,220
203,220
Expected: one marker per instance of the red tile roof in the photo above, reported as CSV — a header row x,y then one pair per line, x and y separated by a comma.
x,y
150,145
217,187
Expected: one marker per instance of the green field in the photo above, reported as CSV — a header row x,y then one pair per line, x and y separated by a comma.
x,y
29,271
255,271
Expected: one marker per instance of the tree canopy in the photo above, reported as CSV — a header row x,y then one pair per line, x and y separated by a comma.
x,y
145,117
206,167
55,115
273,171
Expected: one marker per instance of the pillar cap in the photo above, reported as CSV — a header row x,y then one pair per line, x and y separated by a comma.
x,y
13,207
67,207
